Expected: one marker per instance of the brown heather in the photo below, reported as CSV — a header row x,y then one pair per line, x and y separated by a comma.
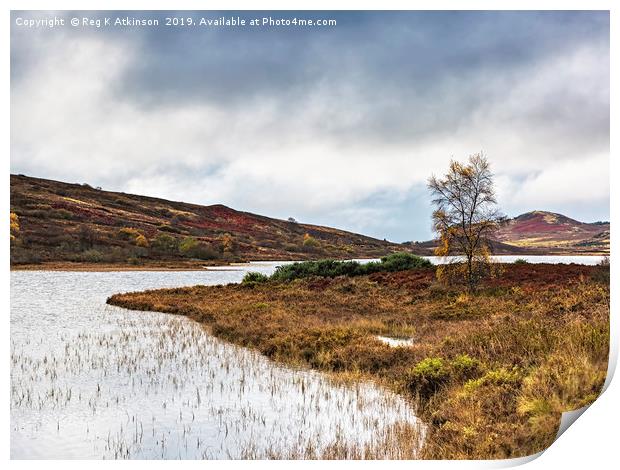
x,y
492,372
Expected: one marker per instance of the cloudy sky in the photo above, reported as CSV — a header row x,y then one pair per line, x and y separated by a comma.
x,y
338,126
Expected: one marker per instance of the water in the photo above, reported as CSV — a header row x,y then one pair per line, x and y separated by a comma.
x,y
90,380
396,342
578,259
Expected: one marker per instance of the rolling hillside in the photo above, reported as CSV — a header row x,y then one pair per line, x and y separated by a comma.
x,y
548,231
52,221
59,221
543,233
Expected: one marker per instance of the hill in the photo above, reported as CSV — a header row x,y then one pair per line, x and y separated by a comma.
x,y
543,233
549,232
63,222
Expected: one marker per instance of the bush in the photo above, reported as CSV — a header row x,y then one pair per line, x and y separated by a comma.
x,y
521,261
253,278
91,256
165,243
323,268
128,233
193,248
141,241
310,242
432,373
601,272
333,268
403,262
428,376
14,226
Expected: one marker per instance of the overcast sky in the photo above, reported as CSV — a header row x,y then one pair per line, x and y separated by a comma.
x,y
337,126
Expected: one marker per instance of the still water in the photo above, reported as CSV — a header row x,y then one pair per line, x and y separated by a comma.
x,y
89,380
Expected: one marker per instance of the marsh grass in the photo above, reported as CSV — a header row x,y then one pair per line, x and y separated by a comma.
x,y
158,386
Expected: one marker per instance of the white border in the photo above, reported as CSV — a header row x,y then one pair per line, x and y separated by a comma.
x,y
590,443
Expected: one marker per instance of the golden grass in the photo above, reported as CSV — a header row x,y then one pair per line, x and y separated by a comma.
x,y
492,372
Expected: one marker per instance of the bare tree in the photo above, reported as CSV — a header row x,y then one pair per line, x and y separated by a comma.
x,y
464,218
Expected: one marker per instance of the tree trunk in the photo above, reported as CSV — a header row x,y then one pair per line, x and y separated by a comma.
x,y
470,273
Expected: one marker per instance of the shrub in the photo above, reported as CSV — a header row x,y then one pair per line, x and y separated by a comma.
x,y
432,373
228,244
14,226
141,241
403,262
322,268
601,273
193,248
428,376
187,245
86,236
496,377
465,366
310,243
91,256
521,261
253,278
128,233
333,268
165,243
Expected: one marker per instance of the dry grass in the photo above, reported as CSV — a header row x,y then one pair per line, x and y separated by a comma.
x,y
492,372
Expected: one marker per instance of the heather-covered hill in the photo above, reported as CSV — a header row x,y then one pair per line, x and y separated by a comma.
x,y
556,233
58,221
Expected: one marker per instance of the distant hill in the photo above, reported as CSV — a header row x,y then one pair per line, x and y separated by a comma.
x,y
551,232
75,222
544,233
58,222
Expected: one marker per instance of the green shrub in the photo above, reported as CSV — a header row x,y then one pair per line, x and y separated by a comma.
x,y
428,376
165,243
521,261
333,268
193,248
252,278
465,366
91,256
322,268
310,242
403,262
496,377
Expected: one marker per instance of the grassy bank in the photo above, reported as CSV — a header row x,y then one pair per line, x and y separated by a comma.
x,y
492,372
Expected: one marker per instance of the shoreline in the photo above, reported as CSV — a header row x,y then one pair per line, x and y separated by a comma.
x,y
185,265
107,267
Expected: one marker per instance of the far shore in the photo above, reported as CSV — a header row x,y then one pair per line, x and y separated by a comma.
x,y
186,265
106,267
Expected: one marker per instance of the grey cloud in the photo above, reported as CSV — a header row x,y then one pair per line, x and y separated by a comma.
x,y
391,95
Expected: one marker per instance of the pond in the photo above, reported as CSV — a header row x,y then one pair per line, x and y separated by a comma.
x,y
90,380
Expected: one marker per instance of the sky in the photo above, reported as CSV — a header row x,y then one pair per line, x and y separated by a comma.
x,y
337,125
